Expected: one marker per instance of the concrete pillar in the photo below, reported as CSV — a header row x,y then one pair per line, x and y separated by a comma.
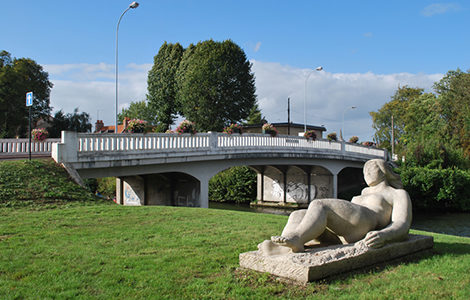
x,y
204,192
335,185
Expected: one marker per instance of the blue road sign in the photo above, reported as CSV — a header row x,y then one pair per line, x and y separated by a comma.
x,y
29,99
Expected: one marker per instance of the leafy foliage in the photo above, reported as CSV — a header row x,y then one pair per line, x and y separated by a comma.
x,y
186,127
310,135
269,128
39,134
237,184
136,126
332,136
79,122
430,129
215,85
17,77
437,189
233,128
162,85
139,110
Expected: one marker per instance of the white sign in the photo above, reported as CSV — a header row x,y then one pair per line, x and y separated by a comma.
x,y
29,99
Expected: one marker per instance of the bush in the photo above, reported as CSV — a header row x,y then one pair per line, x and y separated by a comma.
x,y
437,189
186,127
136,126
269,129
237,184
233,128
310,135
332,136
354,139
39,134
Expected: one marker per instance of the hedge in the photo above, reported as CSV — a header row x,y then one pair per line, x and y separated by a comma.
x,y
437,189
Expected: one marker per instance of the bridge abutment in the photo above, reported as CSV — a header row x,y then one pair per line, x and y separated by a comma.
x,y
175,189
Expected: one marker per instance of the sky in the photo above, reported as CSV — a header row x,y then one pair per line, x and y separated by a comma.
x,y
367,50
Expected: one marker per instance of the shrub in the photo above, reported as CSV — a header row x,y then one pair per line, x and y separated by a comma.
x,y
310,135
136,126
233,128
332,136
269,129
237,184
186,127
368,144
39,134
437,189
353,139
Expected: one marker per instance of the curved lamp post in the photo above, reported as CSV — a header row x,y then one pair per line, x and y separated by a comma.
x,y
342,123
132,5
305,98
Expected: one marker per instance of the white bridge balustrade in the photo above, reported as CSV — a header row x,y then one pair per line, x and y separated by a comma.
x,y
138,160
15,147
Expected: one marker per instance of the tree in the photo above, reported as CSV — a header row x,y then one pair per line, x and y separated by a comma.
x,y
17,77
397,107
454,100
70,122
255,117
139,110
215,85
162,84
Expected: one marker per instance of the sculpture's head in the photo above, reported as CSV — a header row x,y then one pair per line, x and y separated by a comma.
x,y
377,171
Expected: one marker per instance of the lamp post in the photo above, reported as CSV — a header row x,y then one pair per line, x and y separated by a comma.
x,y
132,5
305,98
342,123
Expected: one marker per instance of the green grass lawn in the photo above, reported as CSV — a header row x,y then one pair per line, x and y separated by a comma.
x,y
109,251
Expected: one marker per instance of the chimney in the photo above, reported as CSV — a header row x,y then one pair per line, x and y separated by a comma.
x,y
99,125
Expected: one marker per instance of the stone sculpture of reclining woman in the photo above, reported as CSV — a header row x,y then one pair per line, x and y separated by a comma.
x,y
381,214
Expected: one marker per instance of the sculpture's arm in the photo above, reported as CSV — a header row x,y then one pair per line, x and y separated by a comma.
x,y
399,225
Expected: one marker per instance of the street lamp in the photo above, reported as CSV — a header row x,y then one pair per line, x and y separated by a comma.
x,y
305,98
342,123
132,5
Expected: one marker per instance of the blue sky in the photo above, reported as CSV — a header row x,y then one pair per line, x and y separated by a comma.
x,y
367,49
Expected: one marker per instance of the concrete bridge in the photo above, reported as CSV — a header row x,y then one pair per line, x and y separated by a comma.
x,y
170,169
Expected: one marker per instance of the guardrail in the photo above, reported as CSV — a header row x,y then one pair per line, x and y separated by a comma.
x,y
75,145
21,146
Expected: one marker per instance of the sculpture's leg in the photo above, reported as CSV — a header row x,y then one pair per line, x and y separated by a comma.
x,y
312,225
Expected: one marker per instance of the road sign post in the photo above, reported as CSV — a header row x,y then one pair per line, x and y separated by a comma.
x,y
29,103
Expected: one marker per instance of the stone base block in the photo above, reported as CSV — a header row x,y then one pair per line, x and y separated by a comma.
x,y
319,263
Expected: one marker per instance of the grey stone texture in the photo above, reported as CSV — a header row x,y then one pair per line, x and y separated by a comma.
x,y
318,263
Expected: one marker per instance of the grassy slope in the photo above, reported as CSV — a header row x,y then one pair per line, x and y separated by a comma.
x,y
37,182
103,251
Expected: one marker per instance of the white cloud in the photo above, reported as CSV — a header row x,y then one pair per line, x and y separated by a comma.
x,y
439,8
329,95
257,46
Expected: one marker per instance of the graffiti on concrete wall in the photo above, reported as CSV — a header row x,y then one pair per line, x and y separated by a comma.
x,y
296,192
130,197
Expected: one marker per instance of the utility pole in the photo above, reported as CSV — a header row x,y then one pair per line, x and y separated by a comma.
x,y
288,116
393,139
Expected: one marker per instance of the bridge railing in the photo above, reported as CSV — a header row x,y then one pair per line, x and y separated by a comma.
x,y
21,146
74,145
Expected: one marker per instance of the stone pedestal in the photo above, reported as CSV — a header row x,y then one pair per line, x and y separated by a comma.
x,y
319,263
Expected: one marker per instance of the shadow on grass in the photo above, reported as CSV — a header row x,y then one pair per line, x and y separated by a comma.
x,y
442,248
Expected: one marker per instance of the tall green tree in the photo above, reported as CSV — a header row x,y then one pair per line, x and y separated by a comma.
x,y
215,85
162,84
79,122
17,77
396,107
454,99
